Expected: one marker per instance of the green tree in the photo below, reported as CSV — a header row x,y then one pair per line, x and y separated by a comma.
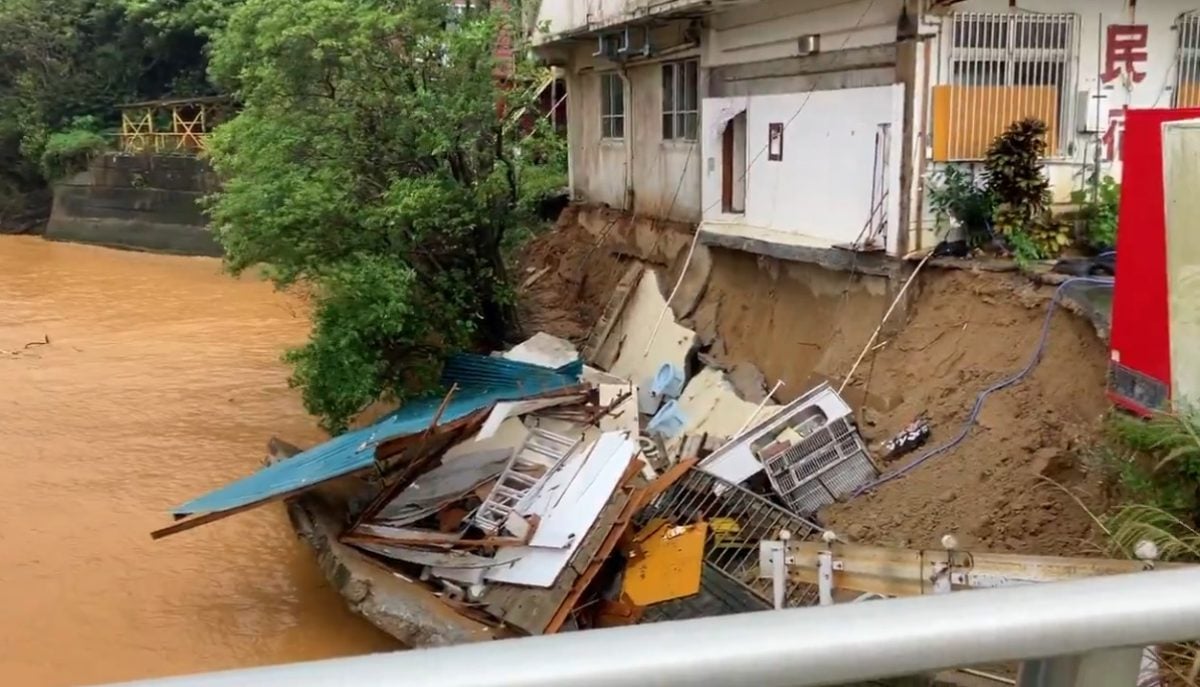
x,y
378,159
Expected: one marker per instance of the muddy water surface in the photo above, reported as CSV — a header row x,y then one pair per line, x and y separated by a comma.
x,y
161,380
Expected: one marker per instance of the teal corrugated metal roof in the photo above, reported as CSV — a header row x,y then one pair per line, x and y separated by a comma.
x,y
482,381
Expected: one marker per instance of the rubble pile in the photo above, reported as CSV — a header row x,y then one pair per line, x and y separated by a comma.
x,y
535,494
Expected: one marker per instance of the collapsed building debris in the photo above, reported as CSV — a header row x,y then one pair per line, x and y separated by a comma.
x,y
535,495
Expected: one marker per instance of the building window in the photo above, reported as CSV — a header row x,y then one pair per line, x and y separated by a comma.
x,y
681,111
1004,67
612,106
1187,61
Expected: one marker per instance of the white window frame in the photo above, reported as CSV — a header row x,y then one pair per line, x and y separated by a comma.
x,y
991,42
612,106
680,118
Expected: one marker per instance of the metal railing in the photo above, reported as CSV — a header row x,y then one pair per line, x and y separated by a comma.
x,y
1091,623
1187,60
1003,67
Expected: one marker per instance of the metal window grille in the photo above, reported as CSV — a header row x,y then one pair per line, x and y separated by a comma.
x,y
829,464
738,519
1187,60
1004,67
612,106
681,109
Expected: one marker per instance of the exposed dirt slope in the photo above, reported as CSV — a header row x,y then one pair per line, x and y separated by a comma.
x,y
573,276
966,332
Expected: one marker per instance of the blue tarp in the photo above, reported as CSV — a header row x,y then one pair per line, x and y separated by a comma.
x,y
482,381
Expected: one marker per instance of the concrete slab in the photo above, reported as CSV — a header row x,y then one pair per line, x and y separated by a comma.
x,y
641,351
793,247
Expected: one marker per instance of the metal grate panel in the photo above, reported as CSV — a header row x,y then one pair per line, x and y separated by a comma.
x,y
1003,67
1187,61
738,520
827,465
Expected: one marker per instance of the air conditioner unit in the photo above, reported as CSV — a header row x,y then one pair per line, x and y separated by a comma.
x,y
610,45
636,42
623,44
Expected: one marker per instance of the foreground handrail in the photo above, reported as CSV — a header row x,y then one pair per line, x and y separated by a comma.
x,y
802,647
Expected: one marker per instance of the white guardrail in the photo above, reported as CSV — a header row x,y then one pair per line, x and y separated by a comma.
x,y
1092,630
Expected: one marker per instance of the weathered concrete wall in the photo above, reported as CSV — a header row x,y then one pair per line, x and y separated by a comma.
x,y
641,172
145,202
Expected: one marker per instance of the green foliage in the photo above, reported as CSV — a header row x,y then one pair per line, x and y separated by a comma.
x,y
1100,213
371,161
956,195
67,152
1022,191
72,58
1158,460
367,304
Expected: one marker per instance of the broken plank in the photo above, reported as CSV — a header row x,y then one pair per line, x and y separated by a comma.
x,y
448,542
532,609
612,311
588,574
668,478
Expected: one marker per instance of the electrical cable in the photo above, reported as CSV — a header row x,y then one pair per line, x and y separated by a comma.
x,y
1002,384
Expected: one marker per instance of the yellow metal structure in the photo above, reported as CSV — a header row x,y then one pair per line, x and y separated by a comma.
x,y
169,126
665,564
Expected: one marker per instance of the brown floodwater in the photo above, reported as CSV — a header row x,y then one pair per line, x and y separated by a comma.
x,y
161,380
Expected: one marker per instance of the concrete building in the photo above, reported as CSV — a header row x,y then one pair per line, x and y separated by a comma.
x,y
792,127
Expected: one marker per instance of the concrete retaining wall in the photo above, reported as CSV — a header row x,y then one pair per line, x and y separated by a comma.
x,y
145,202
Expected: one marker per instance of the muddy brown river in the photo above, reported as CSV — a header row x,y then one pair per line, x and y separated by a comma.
x,y
161,380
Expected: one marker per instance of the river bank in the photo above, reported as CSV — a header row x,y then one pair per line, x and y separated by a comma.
x,y
160,372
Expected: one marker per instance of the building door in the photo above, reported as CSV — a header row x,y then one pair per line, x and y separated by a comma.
x,y
733,165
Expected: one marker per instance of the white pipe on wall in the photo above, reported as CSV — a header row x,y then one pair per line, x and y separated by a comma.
x,y
803,647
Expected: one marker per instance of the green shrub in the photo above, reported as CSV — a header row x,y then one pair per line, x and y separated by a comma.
x,y
957,195
1100,214
1022,191
68,152
1157,461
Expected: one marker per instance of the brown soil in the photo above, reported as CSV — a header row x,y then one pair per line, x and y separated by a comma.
x,y
573,276
801,324
969,331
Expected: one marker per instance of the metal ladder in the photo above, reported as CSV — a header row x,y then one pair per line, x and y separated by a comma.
x,y
537,458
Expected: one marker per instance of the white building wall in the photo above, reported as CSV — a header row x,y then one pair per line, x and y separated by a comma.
x,y
768,30
598,166
820,192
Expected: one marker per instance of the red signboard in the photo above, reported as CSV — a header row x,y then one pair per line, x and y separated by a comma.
x,y
1140,370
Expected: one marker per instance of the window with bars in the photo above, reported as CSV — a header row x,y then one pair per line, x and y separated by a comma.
x,y
1187,61
1003,67
612,106
680,109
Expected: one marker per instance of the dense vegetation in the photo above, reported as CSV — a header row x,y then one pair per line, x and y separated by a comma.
x,y
382,158
65,64
1009,205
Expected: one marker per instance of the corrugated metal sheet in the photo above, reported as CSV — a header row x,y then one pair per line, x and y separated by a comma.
x,y
482,381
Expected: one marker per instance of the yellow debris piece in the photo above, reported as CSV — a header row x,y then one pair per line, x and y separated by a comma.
x,y
666,565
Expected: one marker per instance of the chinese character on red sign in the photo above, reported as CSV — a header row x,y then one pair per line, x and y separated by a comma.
x,y
1112,135
1124,51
